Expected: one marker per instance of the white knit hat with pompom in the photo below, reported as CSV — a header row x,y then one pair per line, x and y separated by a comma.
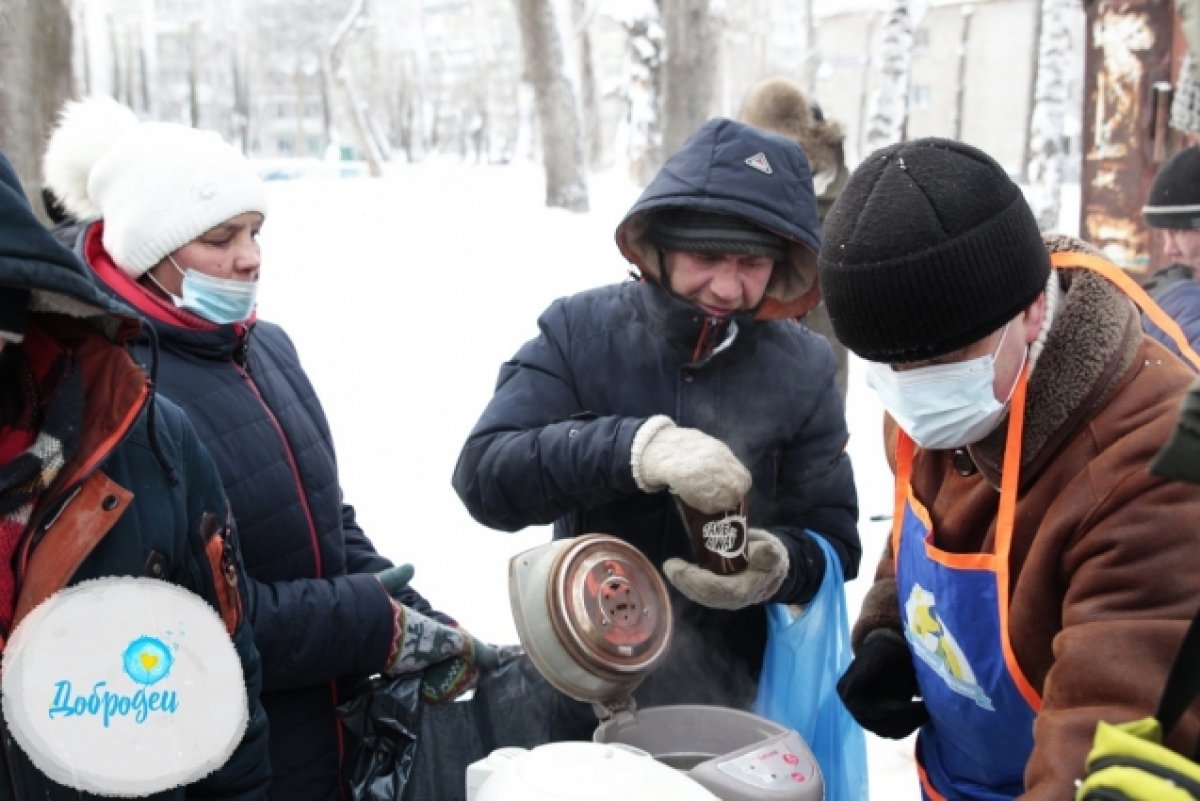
x,y
157,185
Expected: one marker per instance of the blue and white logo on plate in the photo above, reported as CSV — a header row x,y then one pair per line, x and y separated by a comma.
x,y
124,687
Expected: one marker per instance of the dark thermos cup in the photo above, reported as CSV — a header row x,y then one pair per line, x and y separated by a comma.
x,y
718,540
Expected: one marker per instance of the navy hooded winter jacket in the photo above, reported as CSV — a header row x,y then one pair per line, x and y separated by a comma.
x,y
554,442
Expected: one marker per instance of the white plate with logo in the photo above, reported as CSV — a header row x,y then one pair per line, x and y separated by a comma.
x,y
124,687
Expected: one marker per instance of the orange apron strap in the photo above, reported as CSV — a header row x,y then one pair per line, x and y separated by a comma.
x,y
1130,287
87,519
904,459
1006,517
1010,475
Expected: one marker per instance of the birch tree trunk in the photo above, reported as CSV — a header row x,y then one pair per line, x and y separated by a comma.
x,y
889,110
1046,135
639,135
354,20
689,69
582,13
193,74
558,121
35,38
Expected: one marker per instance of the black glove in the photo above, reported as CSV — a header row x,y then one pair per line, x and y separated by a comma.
x,y
880,686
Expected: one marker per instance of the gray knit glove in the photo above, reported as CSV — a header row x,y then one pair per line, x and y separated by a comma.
x,y
764,574
699,468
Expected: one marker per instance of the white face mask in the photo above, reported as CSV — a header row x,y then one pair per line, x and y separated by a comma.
x,y
943,406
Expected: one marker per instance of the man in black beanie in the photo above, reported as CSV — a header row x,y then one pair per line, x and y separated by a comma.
x,y
1173,206
1038,577
692,383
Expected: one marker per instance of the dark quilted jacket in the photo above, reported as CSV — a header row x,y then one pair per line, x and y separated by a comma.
x,y
323,621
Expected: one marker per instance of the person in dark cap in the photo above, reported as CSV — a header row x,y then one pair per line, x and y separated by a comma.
x,y
1038,577
1173,206
692,382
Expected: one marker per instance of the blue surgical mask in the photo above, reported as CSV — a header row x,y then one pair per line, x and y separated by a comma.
x,y
218,300
943,406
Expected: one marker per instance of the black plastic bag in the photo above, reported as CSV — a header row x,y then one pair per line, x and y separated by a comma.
x,y
382,719
512,706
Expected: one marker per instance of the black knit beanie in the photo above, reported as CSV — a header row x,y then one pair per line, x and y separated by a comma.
x,y
930,247
708,232
1174,200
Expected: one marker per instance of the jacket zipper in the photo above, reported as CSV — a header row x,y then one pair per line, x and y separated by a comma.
x,y
243,367
229,568
1106,794
54,515
703,341
1189,785
244,371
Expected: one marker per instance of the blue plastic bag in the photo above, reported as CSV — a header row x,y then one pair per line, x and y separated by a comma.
x,y
805,657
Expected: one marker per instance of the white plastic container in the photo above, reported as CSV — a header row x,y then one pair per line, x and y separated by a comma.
x,y
575,771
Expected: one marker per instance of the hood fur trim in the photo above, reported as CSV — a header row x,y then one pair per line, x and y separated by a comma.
x,y
1092,341
791,292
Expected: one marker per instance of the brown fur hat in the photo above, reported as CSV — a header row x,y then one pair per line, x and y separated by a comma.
x,y
779,105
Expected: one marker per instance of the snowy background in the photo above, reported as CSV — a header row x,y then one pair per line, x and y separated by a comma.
x,y
404,295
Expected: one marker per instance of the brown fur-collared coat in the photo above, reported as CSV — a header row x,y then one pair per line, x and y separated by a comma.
x,y
1105,561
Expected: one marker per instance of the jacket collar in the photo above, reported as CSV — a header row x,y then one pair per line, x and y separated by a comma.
x,y
173,325
684,324
1093,340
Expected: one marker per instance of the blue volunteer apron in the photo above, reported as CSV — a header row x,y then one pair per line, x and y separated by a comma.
x,y
955,613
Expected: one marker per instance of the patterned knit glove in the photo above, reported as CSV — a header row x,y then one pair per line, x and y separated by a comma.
x,y
450,678
448,657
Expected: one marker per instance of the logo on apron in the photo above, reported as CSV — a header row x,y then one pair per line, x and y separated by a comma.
x,y
937,647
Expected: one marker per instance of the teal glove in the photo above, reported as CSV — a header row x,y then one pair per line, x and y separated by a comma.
x,y
395,579
448,657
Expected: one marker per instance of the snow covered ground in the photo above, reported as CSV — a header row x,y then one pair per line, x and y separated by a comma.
x,y
404,295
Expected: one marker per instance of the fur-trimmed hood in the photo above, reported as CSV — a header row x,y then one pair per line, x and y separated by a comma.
x,y
30,258
732,168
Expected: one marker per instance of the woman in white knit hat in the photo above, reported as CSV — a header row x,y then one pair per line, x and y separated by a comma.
x,y
168,220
